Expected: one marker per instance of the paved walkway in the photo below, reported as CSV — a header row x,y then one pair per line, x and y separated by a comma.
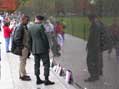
x,y
73,58
10,74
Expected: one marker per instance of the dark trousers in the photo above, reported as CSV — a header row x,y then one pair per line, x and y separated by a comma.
x,y
46,63
94,64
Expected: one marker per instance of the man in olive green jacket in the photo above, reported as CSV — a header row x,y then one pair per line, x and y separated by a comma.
x,y
40,49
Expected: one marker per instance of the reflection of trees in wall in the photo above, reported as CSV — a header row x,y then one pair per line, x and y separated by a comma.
x,y
1,2
45,7
56,7
85,6
99,7
59,7
23,1
76,6
64,7
115,6
42,7
107,7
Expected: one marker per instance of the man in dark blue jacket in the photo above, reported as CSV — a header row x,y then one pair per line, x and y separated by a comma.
x,y
20,46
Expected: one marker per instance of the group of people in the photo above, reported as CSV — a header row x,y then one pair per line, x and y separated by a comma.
x,y
101,38
53,29
8,24
36,41
37,38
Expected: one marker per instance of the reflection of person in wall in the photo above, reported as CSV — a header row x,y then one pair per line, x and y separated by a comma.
x,y
7,34
94,52
59,29
49,29
114,29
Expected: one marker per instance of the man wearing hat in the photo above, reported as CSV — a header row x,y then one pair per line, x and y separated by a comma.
x,y
39,46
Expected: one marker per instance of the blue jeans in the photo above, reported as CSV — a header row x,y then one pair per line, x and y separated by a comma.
x,y
7,41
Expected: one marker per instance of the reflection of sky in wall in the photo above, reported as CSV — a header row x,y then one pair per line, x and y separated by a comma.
x,y
1,2
92,1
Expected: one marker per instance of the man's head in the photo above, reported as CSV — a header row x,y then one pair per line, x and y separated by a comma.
x,y
48,21
25,20
39,19
92,17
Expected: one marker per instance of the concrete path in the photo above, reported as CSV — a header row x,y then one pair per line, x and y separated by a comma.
x,y
73,58
10,74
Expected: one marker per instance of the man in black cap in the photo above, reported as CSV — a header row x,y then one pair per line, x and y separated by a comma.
x,y
40,49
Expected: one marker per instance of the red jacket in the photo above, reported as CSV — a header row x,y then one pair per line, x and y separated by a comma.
x,y
59,29
7,31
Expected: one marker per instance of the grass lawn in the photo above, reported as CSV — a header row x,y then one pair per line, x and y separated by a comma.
x,y
79,26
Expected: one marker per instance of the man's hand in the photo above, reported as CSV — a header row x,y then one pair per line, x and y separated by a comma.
x,y
86,48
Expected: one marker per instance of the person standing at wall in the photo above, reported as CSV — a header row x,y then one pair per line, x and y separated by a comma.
x,y
49,29
114,30
7,34
94,49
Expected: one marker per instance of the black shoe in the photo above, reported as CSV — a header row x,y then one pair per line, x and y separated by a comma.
x,y
25,78
39,82
57,55
101,74
48,82
8,51
91,79
28,57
